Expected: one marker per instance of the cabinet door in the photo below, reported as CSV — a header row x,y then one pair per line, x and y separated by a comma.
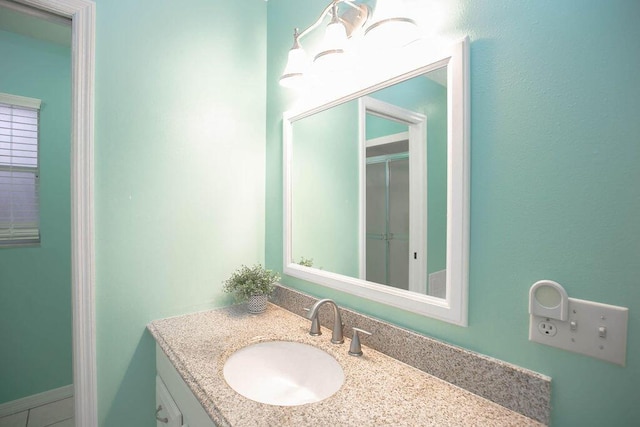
x,y
167,412
193,414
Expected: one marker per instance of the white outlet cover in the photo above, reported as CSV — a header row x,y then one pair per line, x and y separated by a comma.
x,y
584,338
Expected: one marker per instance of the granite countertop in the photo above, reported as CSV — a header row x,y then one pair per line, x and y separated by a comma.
x,y
378,390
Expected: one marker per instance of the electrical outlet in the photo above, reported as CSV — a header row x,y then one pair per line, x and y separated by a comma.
x,y
546,327
595,329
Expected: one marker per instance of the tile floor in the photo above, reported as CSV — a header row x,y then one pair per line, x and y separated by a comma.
x,y
54,414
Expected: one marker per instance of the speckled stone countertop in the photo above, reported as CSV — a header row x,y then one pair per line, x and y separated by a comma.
x,y
378,389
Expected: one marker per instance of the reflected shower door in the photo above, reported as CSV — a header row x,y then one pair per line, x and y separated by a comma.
x,y
387,260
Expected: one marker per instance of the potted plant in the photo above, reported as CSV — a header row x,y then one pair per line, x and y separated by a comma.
x,y
252,284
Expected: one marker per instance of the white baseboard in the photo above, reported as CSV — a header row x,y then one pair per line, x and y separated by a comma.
x,y
35,400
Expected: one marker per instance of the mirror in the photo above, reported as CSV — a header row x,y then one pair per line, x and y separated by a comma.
x,y
376,190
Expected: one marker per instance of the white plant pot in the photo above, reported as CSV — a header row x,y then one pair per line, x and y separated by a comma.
x,y
257,304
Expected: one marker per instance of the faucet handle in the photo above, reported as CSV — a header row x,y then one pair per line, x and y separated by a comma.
x,y
355,349
315,324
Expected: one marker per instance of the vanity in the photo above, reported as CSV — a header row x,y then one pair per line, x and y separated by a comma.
x,y
377,389
376,178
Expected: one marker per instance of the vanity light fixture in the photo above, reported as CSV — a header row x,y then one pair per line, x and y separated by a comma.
x,y
382,25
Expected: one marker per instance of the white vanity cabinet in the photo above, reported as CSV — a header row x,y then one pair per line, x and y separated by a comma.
x,y
167,412
176,406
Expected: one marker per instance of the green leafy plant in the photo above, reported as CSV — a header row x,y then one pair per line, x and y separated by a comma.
x,y
247,281
307,262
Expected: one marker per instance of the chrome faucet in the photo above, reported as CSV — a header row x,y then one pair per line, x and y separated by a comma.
x,y
336,336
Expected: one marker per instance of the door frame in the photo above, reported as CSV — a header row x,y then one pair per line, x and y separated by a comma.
x,y
82,14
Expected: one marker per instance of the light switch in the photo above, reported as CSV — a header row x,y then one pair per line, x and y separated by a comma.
x,y
595,329
602,332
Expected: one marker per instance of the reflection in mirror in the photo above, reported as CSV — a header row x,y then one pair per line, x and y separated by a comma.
x,y
375,230
376,190
324,175
387,202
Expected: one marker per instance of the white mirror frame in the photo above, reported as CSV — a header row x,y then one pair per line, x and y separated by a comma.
x,y
83,15
453,308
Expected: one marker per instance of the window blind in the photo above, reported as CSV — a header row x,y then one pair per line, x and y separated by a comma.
x,y
19,173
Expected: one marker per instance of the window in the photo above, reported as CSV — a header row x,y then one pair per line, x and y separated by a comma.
x,y
19,173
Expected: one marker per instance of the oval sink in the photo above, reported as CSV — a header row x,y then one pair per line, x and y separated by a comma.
x,y
283,373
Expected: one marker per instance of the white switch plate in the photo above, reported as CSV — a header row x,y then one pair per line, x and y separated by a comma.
x,y
581,333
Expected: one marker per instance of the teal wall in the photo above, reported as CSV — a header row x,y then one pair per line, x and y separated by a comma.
x,y
376,127
555,94
35,281
180,165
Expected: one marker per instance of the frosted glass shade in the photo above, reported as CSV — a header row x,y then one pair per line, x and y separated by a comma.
x,y
393,32
390,26
331,57
294,70
335,37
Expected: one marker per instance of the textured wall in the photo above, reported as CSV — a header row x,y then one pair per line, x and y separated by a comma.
x,y
180,112
35,282
555,95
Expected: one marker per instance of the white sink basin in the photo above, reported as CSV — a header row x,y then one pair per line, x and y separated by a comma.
x,y
283,373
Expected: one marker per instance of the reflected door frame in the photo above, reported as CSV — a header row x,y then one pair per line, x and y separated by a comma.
x,y
417,125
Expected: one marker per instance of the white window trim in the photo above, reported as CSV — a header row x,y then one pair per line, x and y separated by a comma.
x,y
29,232
20,101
